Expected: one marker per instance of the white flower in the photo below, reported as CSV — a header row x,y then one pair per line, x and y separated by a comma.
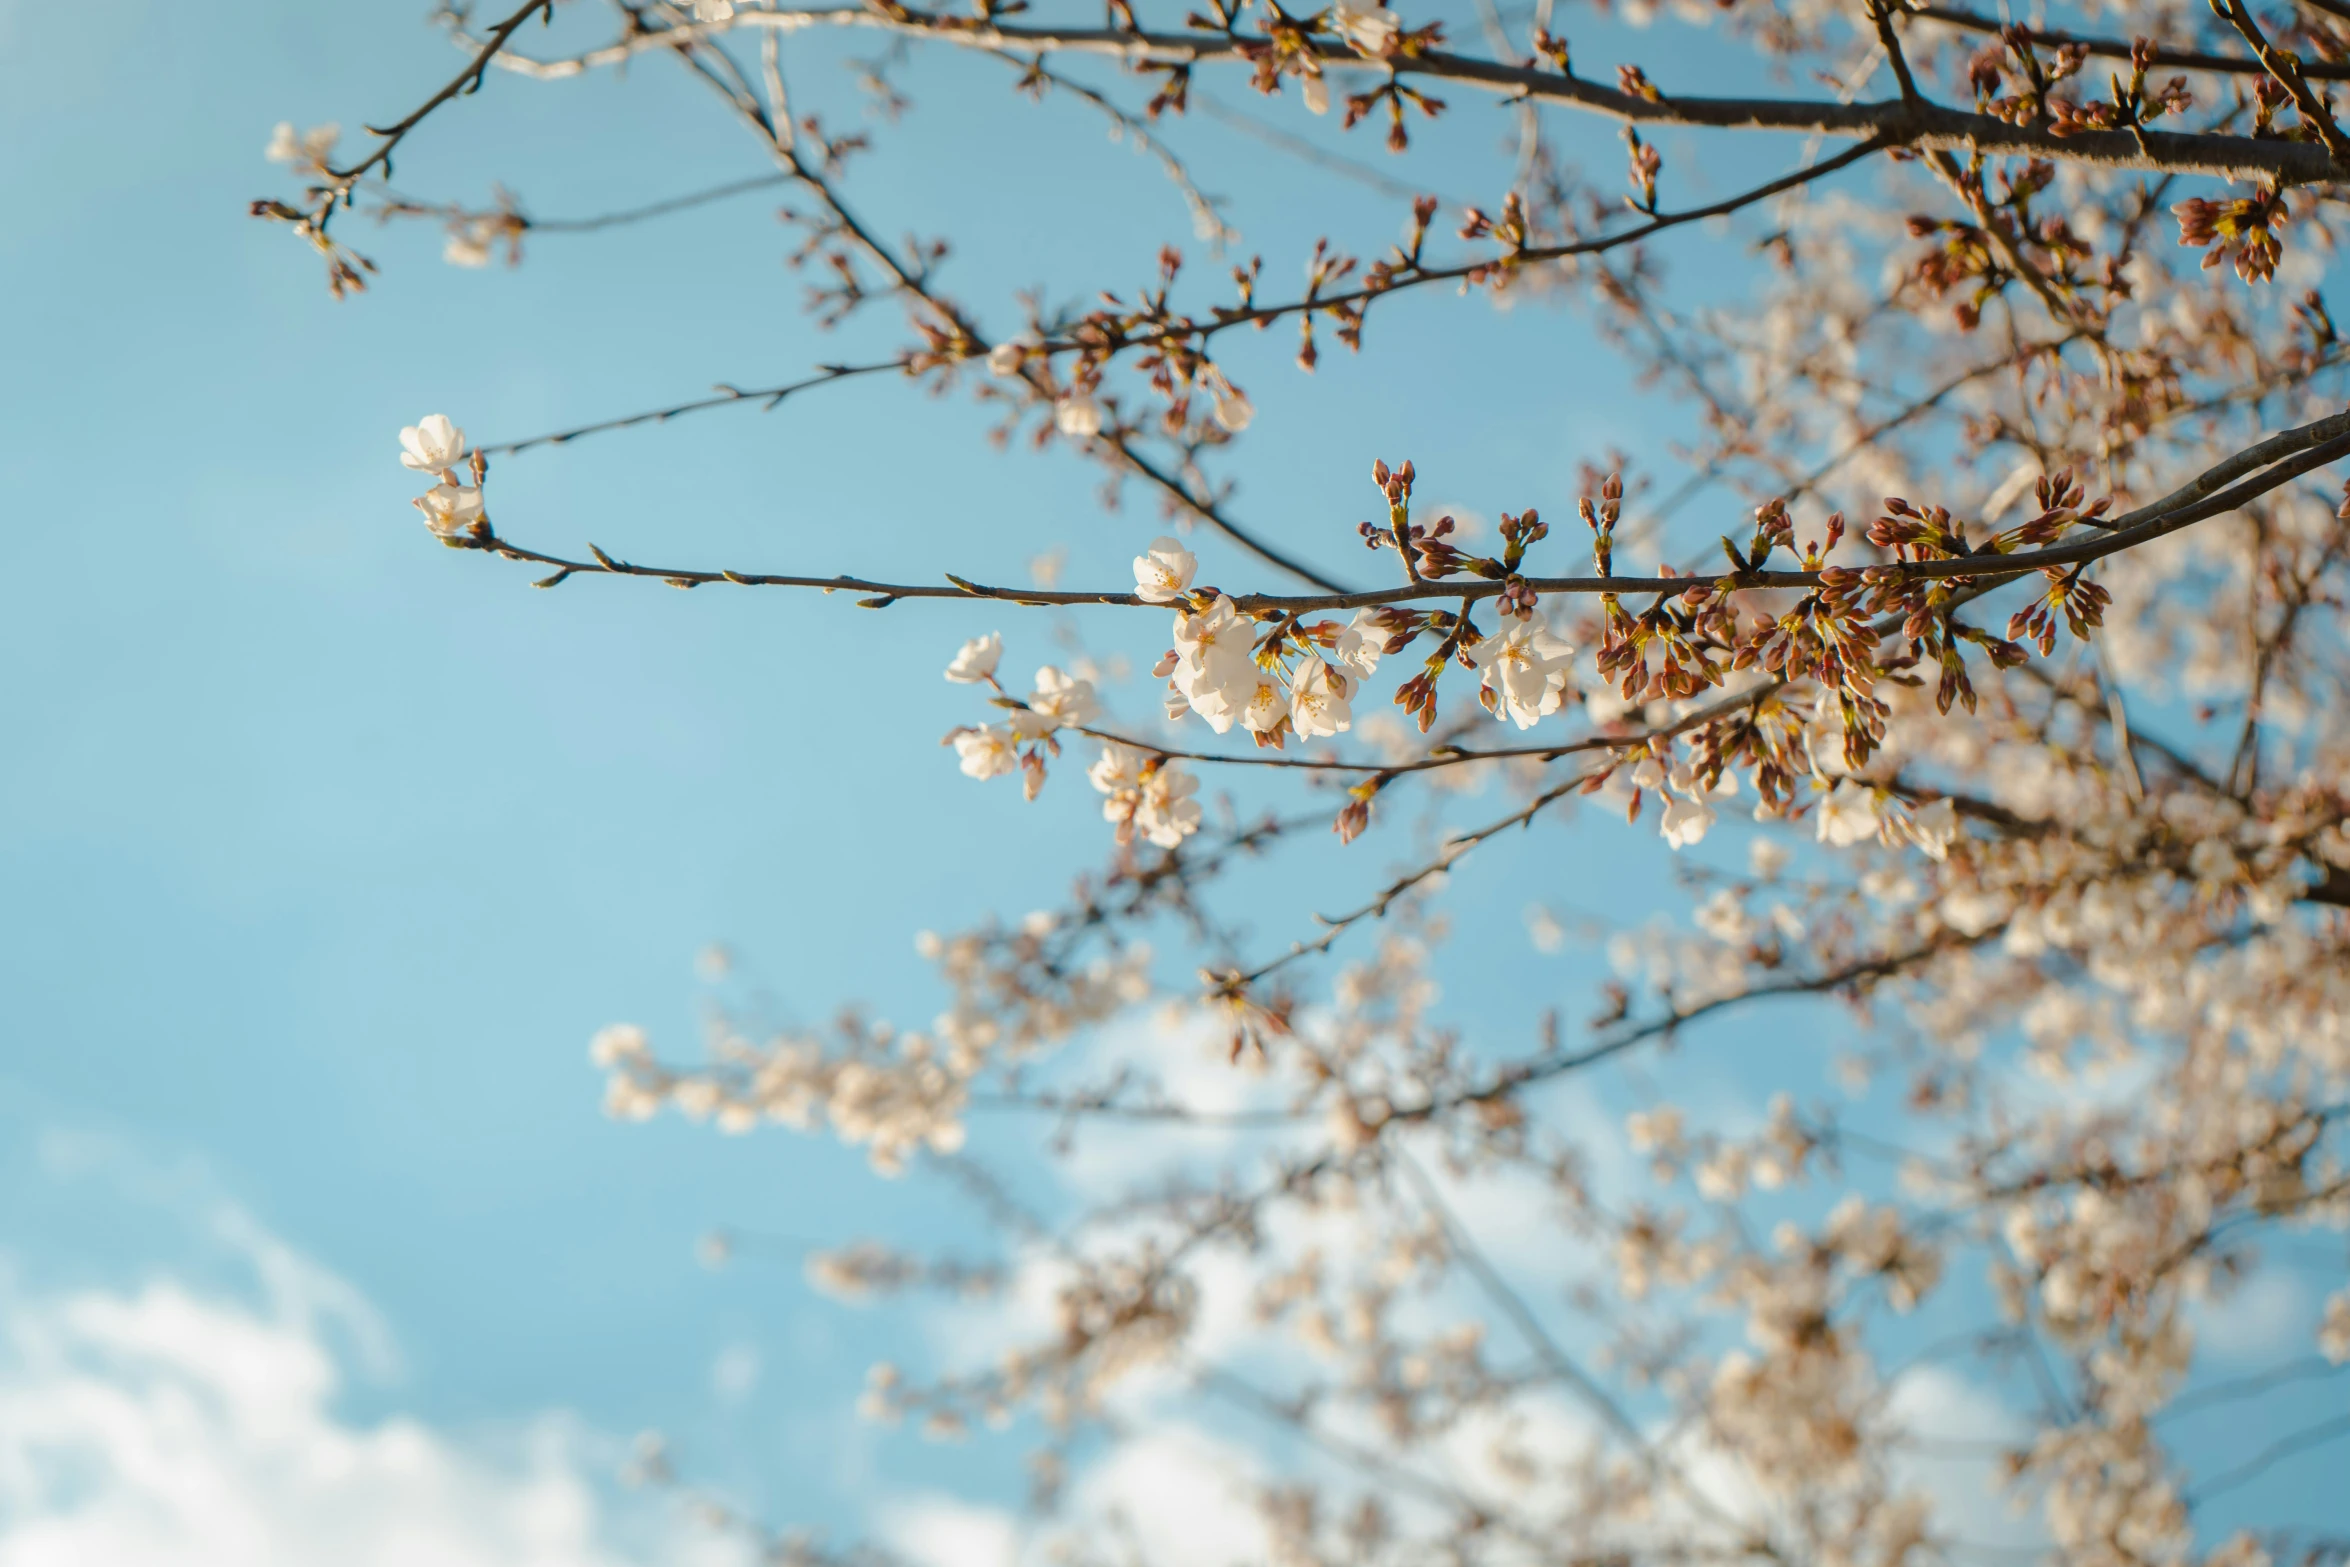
x,y
1213,670
469,246
1215,641
1361,643
1315,90
1233,409
985,752
450,510
1767,857
1934,828
1078,416
311,147
1263,705
432,445
1154,799
1119,769
1371,29
1318,700
1648,772
616,1043
1654,1131
1848,815
1060,699
1686,820
977,659
1168,814
1526,668
1005,359
1163,574
1724,918
713,10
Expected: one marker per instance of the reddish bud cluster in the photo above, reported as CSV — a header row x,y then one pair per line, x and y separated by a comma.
x,y
2249,230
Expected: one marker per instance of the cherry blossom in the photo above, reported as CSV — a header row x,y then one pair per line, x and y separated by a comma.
x,y
1006,358
1118,770
1263,706
1360,644
1371,29
1167,813
1685,820
450,510
1232,408
470,245
308,149
976,660
1848,815
1060,700
1163,573
1078,415
432,445
1933,828
986,751
1318,702
1213,670
1526,671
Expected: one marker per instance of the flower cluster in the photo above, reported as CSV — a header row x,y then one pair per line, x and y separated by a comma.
x,y
1272,687
452,508
1147,794
305,152
1021,743
895,1093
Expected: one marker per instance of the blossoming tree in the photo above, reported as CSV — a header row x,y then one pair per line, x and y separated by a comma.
x,y
2000,588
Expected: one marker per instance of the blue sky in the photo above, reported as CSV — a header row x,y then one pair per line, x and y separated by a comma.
x,y
324,850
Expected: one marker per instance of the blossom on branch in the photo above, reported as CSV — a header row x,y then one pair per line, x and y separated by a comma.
x,y
1163,573
1078,415
1006,358
1318,700
1213,670
1372,29
976,660
1263,705
1685,820
311,149
1232,408
451,511
432,445
986,751
1848,815
1526,672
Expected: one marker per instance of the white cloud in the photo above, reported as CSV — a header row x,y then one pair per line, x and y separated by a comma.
x,y
2268,1316
163,1425
1182,1493
1186,1493
1963,1475
939,1531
